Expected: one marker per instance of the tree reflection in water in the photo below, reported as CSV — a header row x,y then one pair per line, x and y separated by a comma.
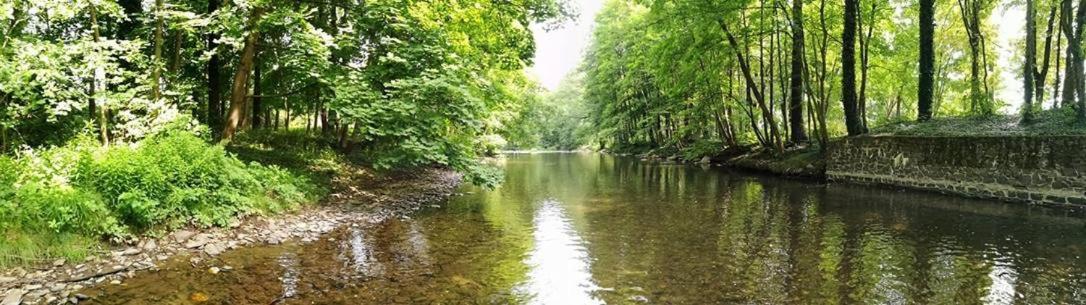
x,y
587,228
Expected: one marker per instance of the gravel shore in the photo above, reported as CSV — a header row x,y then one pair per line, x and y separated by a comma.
x,y
356,197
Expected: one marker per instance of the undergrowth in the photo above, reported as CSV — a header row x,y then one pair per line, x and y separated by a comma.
x,y
1055,122
61,202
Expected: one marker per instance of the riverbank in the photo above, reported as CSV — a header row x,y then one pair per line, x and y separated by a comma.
x,y
1038,169
801,162
798,162
355,194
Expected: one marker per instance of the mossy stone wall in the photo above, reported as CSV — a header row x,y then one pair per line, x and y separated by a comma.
x,y
1035,169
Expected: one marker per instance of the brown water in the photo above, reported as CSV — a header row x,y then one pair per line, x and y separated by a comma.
x,y
593,229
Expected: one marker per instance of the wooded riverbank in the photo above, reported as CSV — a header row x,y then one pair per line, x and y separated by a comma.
x,y
1039,169
357,194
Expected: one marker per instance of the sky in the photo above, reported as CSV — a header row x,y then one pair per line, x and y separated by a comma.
x,y
559,51
1011,28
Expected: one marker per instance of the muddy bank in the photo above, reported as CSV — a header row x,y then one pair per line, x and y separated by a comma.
x,y
358,197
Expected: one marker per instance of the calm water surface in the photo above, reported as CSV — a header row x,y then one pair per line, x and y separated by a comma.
x,y
593,229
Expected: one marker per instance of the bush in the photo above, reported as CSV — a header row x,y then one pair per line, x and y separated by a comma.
x,y
177,178
166,181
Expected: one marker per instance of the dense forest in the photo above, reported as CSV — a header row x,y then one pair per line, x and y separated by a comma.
x,y
119,117
697,77
122,117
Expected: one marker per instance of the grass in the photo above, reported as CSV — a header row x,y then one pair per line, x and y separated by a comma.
x,y
21,248
1057,122
70,201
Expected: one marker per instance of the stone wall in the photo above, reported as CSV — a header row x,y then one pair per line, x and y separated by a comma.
x,y
1047,170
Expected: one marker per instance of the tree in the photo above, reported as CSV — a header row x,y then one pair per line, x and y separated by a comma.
x,y
980,95
853,122
795,111
1030,67
213,74
156,64
239,94
927,60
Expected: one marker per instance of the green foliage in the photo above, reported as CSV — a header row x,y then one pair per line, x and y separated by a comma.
x,y
168,180
176,178
562,117
675,74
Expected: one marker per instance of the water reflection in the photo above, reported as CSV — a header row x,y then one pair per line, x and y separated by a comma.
x,y
361,253
289,262
590,229
559,264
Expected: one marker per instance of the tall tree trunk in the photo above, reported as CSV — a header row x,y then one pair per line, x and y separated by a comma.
x,y
156,64
798,134
865,35
258,100
1076,47
4,141
323,113
1040,75
970,11
1031,63
103,109
1059,48
744,67
848,70
214,75
175,60
1068,25
926,86
239,93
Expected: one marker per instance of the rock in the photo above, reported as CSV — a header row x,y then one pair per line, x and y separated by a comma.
x,y
33,287
5,279
33,296
182,236
213,270
81,296
705,160
13,297
130,252
198,241
149,245
115,282
198,297
214,249
59,262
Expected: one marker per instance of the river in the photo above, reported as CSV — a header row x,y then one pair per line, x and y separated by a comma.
x,y
595,229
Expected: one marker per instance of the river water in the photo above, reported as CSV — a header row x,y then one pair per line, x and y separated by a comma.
x,y
595,229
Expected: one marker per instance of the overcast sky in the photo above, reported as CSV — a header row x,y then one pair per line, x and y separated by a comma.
x,y
559,52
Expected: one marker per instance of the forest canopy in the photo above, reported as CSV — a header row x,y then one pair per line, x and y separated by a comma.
x,y
410,82
123,117
699,77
